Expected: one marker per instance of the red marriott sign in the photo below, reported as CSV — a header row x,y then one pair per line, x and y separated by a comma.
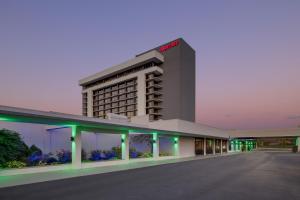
x,y
169,46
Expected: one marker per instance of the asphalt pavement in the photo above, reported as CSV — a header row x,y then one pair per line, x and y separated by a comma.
x,y
256,175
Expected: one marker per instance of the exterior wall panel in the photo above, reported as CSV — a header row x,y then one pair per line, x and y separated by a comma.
x,y
186,146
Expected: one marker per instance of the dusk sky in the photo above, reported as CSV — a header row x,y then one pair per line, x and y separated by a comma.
x,y
247,53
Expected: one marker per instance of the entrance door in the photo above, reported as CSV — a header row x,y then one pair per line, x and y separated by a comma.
x,y
199,146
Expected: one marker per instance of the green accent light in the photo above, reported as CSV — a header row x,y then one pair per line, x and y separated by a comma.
x,y
175,140
123,137
154,137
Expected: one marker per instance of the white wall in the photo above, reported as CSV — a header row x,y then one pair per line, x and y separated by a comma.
x,y
187,146
53,140
99,141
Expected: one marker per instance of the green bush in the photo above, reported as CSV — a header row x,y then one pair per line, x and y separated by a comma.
x,y
34,149
15,164
118,151
146,155
165,154
12,147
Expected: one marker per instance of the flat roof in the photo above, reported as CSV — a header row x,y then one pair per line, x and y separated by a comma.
x,y
280,132
152,56
14,114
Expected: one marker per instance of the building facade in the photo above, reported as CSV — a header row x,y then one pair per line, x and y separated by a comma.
x,y
158,83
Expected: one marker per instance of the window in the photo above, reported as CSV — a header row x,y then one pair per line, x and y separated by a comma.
x,y
122,91
122,85
115,110
130,95
114,104
130,101
122,109
123,96
114,87
114,93
130,89
115,98
130,107
130,114
121,103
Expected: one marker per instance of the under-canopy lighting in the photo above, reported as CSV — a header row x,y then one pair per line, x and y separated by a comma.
x,y
175,140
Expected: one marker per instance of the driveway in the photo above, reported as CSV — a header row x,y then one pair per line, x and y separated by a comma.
x,y
256,175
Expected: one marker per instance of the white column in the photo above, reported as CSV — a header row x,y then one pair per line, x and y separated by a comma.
x,y
125,146
155,145
227,146
90,103
76,147
141,93
176,146
204,147
214,146
221,146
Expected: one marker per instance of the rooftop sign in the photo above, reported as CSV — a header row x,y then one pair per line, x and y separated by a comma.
x,y
169,45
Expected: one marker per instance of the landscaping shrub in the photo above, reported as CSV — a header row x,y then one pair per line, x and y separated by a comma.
x,y
146,155
96,155
165,154
12,148
35,158
117,151
109,155
15,164
35,149
64,156
133,153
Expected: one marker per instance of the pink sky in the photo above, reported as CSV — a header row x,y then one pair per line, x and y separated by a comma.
x,y
248,54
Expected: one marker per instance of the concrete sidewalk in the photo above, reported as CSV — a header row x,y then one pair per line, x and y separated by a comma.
x,y
68,172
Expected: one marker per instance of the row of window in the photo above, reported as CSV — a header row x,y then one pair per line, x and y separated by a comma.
x,y
102,114
84,104
109,106
153,93
125,73
116,99
117,88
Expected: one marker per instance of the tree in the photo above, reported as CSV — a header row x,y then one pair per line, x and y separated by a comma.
x,y
12,147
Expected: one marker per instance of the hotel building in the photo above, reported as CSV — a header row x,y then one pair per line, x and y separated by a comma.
x,y
153,94
158,83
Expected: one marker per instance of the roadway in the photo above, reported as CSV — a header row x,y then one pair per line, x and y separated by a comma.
x,y
256,175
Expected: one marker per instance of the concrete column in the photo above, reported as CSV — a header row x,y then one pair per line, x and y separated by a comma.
x,y
90,103
155,145
176,146
141,93
214,146
76,147
125,146
221,146
227,145
204,147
